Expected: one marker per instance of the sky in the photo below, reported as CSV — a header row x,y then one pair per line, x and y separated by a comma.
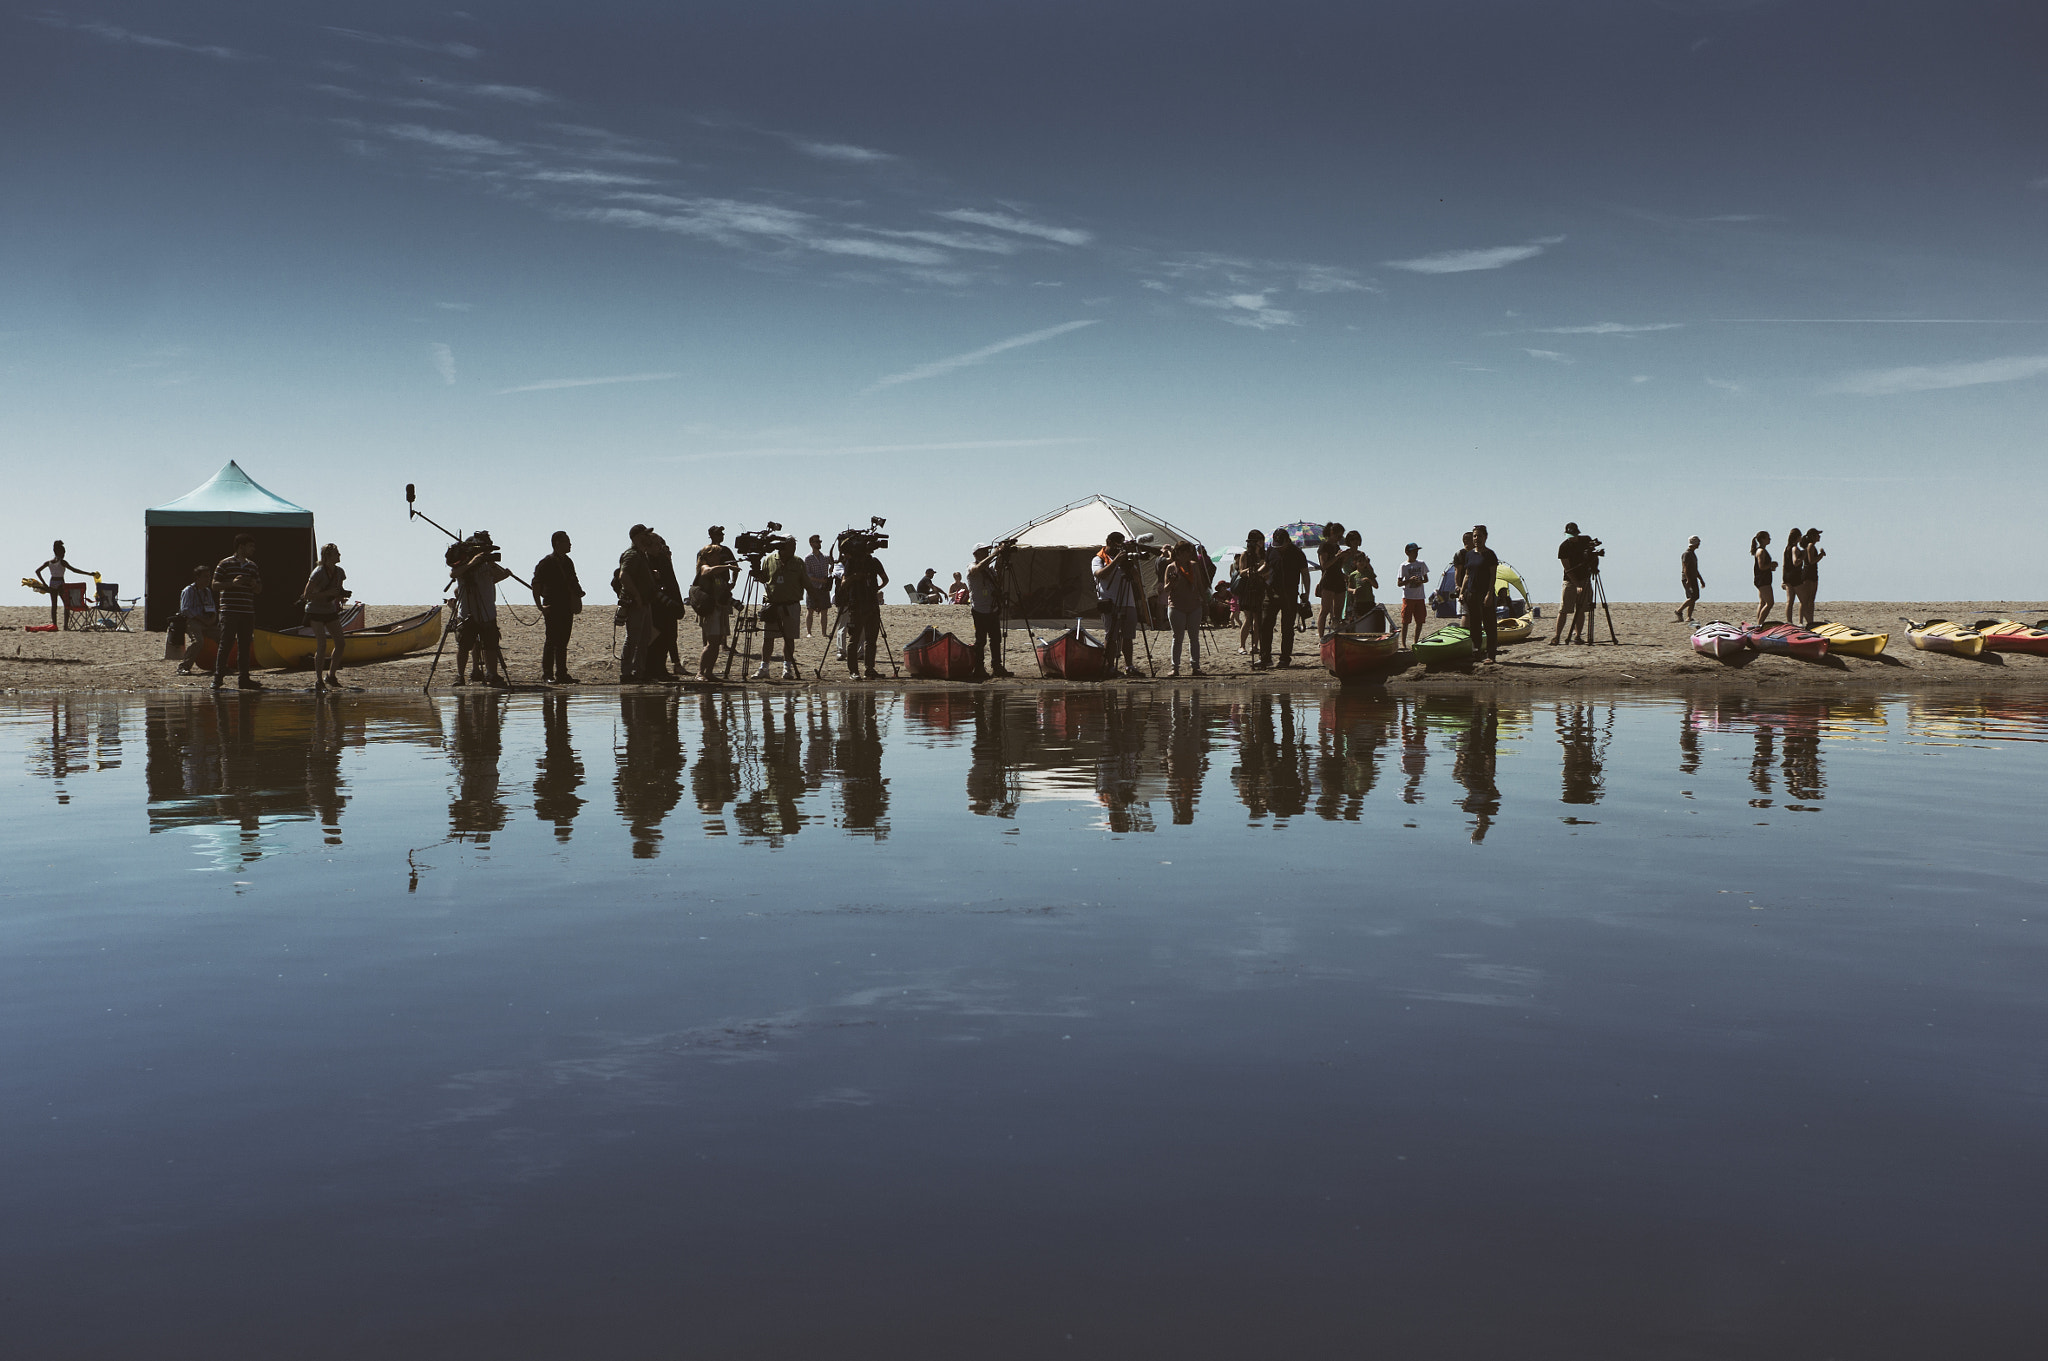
x,y
1667,267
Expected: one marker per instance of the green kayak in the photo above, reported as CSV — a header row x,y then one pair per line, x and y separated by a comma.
x,y
1452,643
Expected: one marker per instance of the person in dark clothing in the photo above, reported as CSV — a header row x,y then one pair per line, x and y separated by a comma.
x,y
860,589
1256,628
1575,613
1476,568
668,611
636,602
984,599
237,581
560,597
1286,574
711,596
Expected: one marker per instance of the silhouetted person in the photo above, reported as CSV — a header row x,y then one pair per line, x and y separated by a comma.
x,y
1477,567
1474,768
237,581
56,566
560,597
649,783
477,810
558,774
635,583
1286,575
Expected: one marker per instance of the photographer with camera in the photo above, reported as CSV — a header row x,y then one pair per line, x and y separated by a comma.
x,y
475,566
1116,586
985,603
711,596
1580,556
860,589
783,579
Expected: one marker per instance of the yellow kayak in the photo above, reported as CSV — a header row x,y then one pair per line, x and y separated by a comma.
x,y
1515,630
295,649
1847,640
1939,635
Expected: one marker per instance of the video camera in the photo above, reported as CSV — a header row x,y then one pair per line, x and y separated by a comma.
x,y
756,544
869,540
1140,548
463,549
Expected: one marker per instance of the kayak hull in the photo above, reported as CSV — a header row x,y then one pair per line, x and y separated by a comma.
x,y
1446,647
944,658
1359,656
1789,640
1515,630
291,649
1072,656
1939,635
2004,635
1720,640
1846,641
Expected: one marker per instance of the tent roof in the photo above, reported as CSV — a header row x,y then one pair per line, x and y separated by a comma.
x,y
1087,524
230,497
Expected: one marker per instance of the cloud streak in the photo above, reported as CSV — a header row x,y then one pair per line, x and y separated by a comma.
x,y
462,50
1937,377
1608,328
1006,222
844,152
1465,261
115,34
552,384
1553,356
981,356
444,362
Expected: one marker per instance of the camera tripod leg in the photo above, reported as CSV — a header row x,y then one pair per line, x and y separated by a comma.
x,y
435,665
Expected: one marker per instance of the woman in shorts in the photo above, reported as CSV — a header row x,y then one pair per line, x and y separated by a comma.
x,y
1810,554
325,591
1762,568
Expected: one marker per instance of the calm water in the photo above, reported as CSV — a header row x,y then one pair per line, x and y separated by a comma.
x,y
949,1024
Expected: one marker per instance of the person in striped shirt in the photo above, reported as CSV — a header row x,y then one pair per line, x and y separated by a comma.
x,y
236,583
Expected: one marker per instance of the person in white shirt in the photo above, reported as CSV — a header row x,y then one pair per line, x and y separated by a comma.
x,y
1414,579
198,614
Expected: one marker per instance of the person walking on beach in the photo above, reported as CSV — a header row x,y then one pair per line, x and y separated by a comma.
x,y
1251,601
199,614
560,597
324,593
57,567
1477,567
1414,581
1761,569
1185,588
1689,579
237,581
1793,572
817,589
1809,577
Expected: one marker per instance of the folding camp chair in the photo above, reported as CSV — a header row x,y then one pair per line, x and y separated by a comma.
x,y
112,613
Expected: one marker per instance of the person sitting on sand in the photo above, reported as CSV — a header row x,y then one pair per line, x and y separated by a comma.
x,y
1505,605
957,592
198,614
1689,578
1762,567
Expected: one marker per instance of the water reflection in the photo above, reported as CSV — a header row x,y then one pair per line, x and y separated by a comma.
x,y
766,765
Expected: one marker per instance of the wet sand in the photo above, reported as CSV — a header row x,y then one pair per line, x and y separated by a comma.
x,y
1653,652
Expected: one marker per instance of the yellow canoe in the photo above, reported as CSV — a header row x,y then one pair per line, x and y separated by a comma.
x,y
1847,640
1939,635
1515,630
295,649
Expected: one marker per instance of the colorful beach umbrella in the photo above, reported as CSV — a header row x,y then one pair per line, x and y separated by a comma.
x,y
1304,533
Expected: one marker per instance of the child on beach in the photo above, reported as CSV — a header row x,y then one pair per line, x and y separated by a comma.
x,y
1414,580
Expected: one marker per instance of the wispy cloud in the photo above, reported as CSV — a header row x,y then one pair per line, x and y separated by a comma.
x,y
1934,377
551,384
1248,309
735,222
503,94
849,450
842,151
973,357
442,139
1464,261
456,306
1553,356
1006,222
1608,328
115,34
463,50
1724,385
443,360
1883,321
1640,378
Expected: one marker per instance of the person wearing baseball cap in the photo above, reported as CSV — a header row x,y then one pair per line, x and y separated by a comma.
x,y
1414,582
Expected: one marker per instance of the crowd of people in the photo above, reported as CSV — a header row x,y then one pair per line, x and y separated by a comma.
x,y
1270,590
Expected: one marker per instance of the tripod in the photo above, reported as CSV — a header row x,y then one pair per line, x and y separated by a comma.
x,y
746,620
1599,592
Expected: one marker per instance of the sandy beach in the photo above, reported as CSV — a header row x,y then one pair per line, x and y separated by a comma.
x,y
1653,651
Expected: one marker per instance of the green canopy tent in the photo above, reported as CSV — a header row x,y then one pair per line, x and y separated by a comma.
x,y
200,527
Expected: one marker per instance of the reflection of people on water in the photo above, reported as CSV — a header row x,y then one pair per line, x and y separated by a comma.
x,y
1473,767
1578,733
323,767
1414,751
559,772
649,783
1185,745
857,755
990,792
1689,741
1760,763
1355,727
478,741
773,811
714,779
1803,779
1119,763
1272,761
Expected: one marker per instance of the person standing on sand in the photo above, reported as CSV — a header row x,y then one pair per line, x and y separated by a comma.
x,y
1477,568
1251,600
237,581
325,590
817,589
57,567
1761,568
1185,588
1575,555
1794,572
635,582
1414,579
1809,577
1689,579
1286,573
1329,581
560,597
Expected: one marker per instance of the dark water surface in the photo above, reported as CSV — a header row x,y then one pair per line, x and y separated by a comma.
x,y
957,1024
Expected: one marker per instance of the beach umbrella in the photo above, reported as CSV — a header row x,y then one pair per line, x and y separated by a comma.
x,y
1305,533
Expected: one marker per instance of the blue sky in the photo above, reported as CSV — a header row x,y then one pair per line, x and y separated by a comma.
x,y
1663,268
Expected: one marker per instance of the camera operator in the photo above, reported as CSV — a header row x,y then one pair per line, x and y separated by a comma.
x,y
711,595
634,581
783,579
1580,557
860,590
474,567
985,603
1116,568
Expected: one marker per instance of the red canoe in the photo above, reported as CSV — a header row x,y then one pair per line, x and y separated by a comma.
x,y
1788,640
1074,655
1359,656
938,656
2003,635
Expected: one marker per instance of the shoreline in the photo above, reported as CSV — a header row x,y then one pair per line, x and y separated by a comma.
x,y
1654,653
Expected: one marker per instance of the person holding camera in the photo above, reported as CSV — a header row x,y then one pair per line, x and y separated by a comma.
x,y
237,581
711,596
1477,568
984,603
1114,569
1580,558
784,581
324,593
861,582
476,570
560,597
634,582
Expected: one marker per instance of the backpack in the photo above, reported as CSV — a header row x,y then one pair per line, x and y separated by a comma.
x,y
787,581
